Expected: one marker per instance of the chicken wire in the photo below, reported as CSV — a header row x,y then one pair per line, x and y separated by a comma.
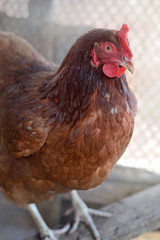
x,y
72,18
15,8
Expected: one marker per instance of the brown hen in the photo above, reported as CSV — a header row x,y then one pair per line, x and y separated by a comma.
x,y
63,128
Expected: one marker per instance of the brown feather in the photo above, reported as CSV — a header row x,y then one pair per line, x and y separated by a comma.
x,y
60,129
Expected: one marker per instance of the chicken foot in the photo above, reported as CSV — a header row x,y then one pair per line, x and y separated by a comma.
x,y
82,213
45,232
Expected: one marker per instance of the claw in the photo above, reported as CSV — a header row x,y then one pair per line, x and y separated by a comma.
x,y
62,231
68,212
99,213
75,224
82,213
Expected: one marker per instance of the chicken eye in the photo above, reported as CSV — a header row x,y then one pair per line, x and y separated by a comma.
x,y
108,48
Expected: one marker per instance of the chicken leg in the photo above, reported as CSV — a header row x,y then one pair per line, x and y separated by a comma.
x,y
45,232
82,213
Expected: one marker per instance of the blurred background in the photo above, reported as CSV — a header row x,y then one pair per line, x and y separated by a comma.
x,y
52,26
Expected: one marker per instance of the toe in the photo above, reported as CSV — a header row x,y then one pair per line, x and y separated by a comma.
x,y
75,224
99,213
62,231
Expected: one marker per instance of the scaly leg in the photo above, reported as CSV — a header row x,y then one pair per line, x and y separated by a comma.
x,y
45,232
82,213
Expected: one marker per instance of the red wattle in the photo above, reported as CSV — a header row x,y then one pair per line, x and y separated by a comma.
x,y
121,71
113,70
110,70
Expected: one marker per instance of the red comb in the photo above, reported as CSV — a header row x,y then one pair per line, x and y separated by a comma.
x,y
122,35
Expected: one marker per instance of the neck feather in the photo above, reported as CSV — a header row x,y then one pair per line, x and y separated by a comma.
x,y
74,87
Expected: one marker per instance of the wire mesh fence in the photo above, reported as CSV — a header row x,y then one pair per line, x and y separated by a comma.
x,y
14,8
52,27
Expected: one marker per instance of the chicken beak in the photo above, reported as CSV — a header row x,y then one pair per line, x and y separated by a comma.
x,y
128,65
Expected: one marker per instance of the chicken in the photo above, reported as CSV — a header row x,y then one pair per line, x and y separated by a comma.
x,y
63,128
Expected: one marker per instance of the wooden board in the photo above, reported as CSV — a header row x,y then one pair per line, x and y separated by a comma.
x,y
132,217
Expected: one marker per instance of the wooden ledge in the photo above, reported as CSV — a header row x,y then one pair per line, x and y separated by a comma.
x,y
132,216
